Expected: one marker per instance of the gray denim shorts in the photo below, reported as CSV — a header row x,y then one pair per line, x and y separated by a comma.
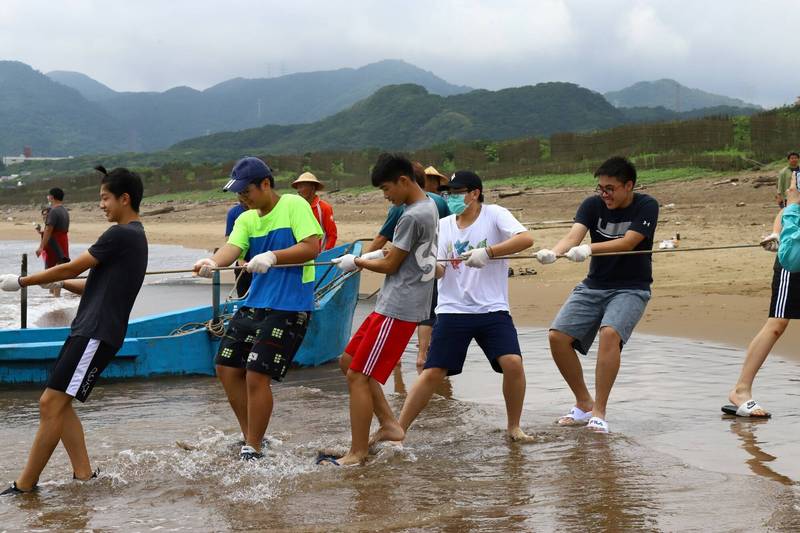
x,y
587,310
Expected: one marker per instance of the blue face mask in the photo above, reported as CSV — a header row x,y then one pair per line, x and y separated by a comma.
x,y
455,202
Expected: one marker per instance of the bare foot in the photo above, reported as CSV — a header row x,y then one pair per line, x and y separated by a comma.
x,y
740,396
391,431
351,460
517,435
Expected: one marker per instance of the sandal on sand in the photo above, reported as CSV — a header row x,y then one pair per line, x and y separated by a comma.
x,y
598,425
575,417
746,409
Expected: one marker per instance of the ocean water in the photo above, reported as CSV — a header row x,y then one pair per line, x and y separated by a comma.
x,y
159,294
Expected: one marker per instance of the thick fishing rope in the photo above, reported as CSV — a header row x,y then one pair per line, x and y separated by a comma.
x,y
513,256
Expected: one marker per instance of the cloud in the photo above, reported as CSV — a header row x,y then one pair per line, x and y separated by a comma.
x,y
737,47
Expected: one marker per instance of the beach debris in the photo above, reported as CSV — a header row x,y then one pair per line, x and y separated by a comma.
x,y
764,180
161,211
740,204
509,193
669,206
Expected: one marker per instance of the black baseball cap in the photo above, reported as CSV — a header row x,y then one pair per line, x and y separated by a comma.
x,y
463,179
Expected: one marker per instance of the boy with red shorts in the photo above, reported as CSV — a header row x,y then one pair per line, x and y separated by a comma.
x,y
404,300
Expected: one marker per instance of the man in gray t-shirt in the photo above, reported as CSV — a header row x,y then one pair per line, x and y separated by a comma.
x,y
410,269
406,294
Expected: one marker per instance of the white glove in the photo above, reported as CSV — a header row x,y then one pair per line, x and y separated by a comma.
x,y
545,256
476,258
770,242
375,254
261,263
10,282
205,267
52,285
346,263
579,253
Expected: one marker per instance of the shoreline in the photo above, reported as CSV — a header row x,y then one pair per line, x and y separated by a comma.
x,y
717,296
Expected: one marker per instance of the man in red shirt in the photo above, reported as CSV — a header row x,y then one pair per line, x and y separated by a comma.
x,y
307,186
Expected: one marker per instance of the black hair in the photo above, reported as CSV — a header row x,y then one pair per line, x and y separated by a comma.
x,y
57,193
619,168
120,181
389,167
790,154
419,173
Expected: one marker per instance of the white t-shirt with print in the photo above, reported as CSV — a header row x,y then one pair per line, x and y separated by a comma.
x,y
475,290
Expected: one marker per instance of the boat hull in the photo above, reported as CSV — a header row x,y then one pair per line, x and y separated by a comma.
x,y
154,347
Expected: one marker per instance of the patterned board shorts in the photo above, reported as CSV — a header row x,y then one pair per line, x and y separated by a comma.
x,y
263,340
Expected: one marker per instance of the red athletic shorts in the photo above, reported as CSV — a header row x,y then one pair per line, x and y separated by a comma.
x,y
378,345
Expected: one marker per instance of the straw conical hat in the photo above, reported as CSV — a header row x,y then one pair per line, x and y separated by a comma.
x,y
431,171
308,177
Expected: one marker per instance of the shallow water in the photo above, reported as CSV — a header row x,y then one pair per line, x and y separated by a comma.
x,y
159,293
672,461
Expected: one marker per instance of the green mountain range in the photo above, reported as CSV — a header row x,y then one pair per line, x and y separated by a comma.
x,y
405,117
154,120
68,113
671,95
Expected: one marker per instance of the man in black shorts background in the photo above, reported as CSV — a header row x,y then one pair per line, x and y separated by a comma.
x,y
116,264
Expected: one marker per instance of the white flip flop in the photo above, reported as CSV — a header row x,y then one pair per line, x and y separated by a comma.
x,y
598,425
577,416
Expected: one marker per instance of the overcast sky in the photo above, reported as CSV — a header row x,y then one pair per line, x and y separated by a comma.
x,y
740,48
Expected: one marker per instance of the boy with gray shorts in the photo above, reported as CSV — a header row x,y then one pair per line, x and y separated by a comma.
x,y
612,298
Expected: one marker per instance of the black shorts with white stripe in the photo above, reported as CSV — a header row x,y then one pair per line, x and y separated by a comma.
x,y
785,294
78,366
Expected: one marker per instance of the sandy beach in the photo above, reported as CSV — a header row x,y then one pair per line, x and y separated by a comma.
x,y
721,296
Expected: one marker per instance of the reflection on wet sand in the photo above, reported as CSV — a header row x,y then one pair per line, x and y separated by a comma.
x,y
745,429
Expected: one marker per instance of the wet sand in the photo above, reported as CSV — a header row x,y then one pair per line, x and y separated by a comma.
x,y
672,461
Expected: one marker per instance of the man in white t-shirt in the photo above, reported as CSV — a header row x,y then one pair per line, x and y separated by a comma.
x,y
473,299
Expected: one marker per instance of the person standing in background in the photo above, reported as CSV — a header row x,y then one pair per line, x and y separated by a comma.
x,y
54,244
307,185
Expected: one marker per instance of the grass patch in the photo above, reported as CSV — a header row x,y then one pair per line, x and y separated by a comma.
x,y
585,179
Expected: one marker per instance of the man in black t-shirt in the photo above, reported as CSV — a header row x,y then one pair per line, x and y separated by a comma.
x,y
613,296
116,264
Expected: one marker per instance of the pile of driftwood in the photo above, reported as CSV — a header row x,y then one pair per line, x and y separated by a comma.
x,y
765,180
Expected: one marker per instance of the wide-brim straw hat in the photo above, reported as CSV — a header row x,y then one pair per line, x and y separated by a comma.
x,y
308,177
431,171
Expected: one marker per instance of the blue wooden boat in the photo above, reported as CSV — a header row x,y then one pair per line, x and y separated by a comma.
x,y
178,343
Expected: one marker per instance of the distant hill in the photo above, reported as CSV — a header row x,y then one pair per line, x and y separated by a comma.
x,y
408,116
155,120
660,114
51,118
91,89
671,95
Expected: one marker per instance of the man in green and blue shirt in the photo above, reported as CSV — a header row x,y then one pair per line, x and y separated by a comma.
x,y
266,332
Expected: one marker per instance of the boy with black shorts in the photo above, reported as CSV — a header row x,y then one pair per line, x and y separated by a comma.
x,y
264,335
784,306
116,264
404,301
612,298
473,299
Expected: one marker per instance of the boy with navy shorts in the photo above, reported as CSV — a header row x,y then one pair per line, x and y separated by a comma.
x,y
404,301
264,335
116,264
612,298
473,300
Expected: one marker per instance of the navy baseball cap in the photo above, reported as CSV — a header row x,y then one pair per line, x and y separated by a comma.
x,y
463,179
246,171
